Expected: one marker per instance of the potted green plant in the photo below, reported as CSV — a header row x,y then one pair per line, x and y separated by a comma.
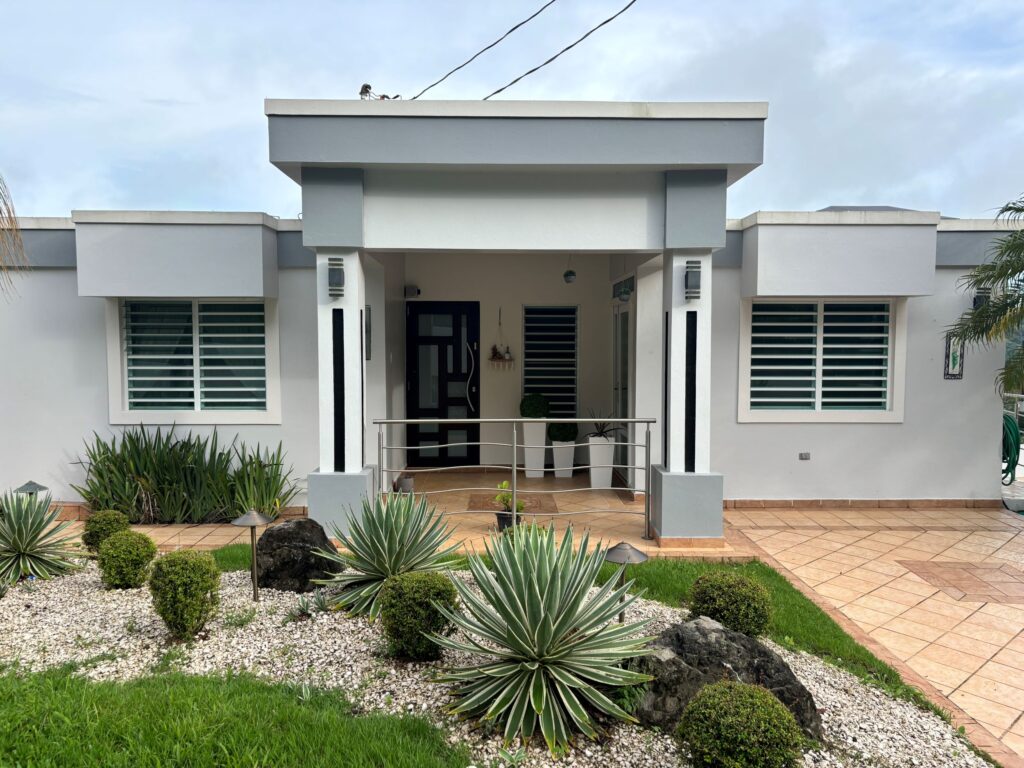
x,y
504,498
534,406
602,451
563,447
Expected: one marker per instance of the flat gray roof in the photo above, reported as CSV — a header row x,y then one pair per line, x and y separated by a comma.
x,y
623,110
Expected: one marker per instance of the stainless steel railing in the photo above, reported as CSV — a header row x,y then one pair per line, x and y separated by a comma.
x,y
385,471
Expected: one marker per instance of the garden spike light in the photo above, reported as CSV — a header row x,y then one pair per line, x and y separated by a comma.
x,y
253,520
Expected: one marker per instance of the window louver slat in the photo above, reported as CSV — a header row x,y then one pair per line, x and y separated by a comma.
x,y
232,357
158,355
783,350
549,357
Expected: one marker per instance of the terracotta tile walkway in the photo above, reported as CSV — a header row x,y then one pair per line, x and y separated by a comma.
x,y
941,590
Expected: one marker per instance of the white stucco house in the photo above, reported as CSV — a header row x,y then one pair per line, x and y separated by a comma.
x,y
783,356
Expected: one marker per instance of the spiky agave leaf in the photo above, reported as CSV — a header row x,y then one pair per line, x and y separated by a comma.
x,y
396,534
30,543
550,646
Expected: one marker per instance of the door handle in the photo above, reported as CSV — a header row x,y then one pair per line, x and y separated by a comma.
x,y
472,370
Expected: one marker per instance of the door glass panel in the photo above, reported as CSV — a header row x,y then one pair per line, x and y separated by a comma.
x,y
458,436
458,412
428,453
451,362
465,345
456,389
435,325
428,375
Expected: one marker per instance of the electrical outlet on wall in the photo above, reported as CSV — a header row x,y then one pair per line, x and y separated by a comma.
x,y
804,456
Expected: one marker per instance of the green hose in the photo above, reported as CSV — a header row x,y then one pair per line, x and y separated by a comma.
x,y
1011,448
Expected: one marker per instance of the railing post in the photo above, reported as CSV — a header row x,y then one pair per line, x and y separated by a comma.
x,y
515,469
381,473
647,483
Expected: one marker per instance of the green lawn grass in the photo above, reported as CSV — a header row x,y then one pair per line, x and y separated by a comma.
x,y
233,557
797,623
56,719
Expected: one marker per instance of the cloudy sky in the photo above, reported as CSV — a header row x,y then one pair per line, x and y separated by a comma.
x,y
145,105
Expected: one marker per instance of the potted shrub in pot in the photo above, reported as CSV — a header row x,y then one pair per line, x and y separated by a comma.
x,y
602,452
534,406
563,447
505,499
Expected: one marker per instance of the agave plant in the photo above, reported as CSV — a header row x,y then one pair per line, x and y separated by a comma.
x,y
396,534
30,543
551,647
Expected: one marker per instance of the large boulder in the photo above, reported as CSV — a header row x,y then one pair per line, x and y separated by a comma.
x,y
285,557
688,656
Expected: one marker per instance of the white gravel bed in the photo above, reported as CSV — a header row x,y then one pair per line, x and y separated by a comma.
x,y
115,635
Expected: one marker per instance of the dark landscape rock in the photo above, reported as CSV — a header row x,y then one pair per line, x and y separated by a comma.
x,y
285,557
690,655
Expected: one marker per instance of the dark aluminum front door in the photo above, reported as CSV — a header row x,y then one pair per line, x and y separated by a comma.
x,y
442,368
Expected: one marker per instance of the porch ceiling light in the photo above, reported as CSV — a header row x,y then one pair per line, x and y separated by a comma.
x,y
624,553
569,275
253,520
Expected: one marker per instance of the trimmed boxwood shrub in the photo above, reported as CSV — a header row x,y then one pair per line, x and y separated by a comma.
x,y
409,609
100,525
733,600
534,406
735,725
186,590
124,559
563,433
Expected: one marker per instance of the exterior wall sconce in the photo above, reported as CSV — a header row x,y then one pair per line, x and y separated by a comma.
x,y
691,280
982,297
624,553
253,520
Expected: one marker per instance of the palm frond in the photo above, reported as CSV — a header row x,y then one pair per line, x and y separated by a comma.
x,y
12,248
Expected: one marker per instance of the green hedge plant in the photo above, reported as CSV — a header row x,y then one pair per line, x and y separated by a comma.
x,y
735,725
396,534
124,559
733,600
562,432
32,542
101,525
410,612
156,476
186,591
552,651
534,406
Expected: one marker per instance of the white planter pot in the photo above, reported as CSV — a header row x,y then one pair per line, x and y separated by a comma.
x,y
561,456
602,452
535,433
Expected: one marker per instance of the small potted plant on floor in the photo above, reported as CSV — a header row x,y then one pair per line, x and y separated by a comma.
x,y
534,406
602,452
504,498
563,447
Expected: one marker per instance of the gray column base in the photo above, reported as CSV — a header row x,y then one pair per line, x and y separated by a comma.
x,y
686,505
334,497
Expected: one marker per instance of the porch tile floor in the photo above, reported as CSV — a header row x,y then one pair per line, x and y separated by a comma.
x,y
941,591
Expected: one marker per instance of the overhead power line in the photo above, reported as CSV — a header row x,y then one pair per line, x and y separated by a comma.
x,y
484,50
568,47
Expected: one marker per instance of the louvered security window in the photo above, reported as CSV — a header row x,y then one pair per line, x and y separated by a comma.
x,y
159,355
232,356
549,357
783,356
855,361
820,356
195,355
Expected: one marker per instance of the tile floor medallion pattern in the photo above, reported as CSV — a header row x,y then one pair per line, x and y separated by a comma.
x,y
972,581
927,585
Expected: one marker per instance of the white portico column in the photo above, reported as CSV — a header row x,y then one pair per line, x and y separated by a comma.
x,y
686,282
341,291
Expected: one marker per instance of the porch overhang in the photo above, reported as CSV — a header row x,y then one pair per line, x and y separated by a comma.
x,y
528,135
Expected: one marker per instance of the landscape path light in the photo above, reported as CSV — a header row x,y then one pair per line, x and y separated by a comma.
x,y
624,554
253,520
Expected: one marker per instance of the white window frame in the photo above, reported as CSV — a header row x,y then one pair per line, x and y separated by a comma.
x,y
897,368
117,375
